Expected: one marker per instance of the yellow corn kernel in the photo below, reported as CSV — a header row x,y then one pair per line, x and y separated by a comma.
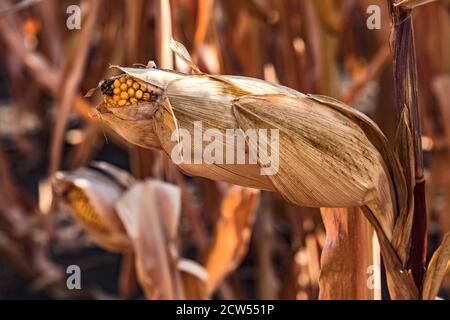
x,y
124,96
116,83
123,80
129,82
122,102
133,100
116,98
84,210
146,96
131,92
136,85
138,94
116,91
143,88
123,87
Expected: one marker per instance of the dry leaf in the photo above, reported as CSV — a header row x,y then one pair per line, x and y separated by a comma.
x,y
121,214
182,52
411,4
232,235
194,278
150,211
438,267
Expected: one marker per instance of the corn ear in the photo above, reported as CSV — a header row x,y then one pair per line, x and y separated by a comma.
x,y
330,155
123,215
91,196
373,174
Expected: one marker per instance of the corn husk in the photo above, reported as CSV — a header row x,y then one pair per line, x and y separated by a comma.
x,y
222,105
330,155
138,219
91,196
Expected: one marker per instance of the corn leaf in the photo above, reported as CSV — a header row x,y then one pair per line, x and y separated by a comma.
x,y
438,267
232,235
150,213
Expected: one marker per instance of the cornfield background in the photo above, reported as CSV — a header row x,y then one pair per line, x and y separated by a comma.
x,y
252,245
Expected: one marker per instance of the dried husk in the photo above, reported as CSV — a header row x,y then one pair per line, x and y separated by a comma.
x,y
150,213
438,267
94,205
330,154
138,218
222,105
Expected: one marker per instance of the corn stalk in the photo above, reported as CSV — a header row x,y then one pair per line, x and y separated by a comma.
x,y
406,88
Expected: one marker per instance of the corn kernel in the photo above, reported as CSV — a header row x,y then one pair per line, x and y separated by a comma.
x,y
138,94
122,102
136,85
131,92
143,88
133,100
123,79
129,82
116,91
116,98
124,96
116,83
146,96
123,87
82,207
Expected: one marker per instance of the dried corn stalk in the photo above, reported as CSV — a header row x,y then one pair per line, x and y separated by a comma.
x,y
330,155
345,275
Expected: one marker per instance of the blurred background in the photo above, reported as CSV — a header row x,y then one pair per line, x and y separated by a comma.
x,y
314,46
